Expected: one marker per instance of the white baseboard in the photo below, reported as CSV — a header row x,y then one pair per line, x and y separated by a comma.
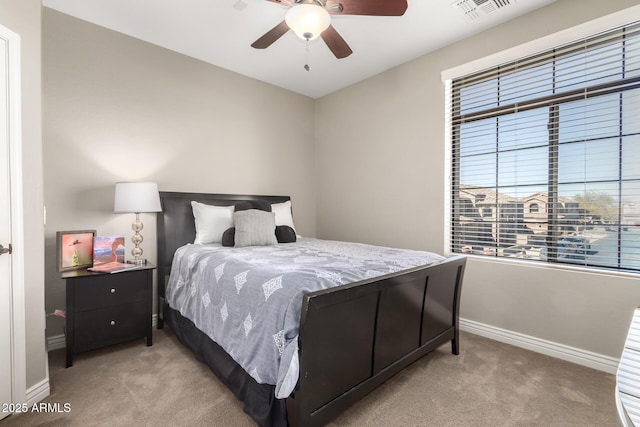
x,y
38,392
57,342
550,348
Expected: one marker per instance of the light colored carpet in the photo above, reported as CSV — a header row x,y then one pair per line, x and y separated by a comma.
x,y
488,384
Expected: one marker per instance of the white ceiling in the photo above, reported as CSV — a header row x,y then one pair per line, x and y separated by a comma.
x,y
220,32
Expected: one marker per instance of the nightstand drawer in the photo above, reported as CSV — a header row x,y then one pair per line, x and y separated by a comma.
x,y
110,289
106,326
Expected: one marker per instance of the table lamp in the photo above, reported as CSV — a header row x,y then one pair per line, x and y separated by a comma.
x,y
136,197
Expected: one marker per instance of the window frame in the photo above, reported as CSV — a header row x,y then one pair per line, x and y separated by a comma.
x,y
546,43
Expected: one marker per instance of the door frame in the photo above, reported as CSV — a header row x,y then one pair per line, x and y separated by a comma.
x,y
18,330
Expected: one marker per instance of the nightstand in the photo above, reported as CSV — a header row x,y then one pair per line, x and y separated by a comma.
x,y
105,309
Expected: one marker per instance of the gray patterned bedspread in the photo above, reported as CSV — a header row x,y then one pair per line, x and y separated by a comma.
x,y
248,300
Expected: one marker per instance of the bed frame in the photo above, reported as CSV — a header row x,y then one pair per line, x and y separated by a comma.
x,y
352,338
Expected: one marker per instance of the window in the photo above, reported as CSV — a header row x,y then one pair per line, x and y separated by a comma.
x,y
547,148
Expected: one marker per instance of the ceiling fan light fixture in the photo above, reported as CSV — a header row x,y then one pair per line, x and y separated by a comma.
x,y
308,21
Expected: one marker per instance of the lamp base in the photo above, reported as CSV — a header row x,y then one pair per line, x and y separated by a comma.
x,y
141,261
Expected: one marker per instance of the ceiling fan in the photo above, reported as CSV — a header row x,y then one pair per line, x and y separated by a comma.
x,y
311,19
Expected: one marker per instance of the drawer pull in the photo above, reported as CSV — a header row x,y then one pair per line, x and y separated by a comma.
x,y
113,290
113,322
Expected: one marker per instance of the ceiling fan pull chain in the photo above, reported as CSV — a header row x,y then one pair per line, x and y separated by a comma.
x,y
306,65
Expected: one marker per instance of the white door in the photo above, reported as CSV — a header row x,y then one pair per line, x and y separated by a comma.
x,y
6,381
12,336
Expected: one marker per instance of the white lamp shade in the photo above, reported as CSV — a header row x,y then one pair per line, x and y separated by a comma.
x,y
308,21
136,197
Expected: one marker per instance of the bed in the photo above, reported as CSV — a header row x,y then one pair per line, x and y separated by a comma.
x,y
349,337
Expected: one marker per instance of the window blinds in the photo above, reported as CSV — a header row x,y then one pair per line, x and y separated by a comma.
x,y
545,155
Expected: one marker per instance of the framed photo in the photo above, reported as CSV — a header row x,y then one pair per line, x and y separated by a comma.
x,y
75,249
108,249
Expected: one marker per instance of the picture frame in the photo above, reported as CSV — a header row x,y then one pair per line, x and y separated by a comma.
x,y
74,249
108,249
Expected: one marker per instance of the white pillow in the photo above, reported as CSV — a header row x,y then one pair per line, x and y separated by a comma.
x,y
211,222
283,213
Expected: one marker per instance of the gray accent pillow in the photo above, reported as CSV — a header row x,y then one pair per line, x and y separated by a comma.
x,y
254,228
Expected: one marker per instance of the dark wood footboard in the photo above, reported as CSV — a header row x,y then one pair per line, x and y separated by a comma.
x,y
354,337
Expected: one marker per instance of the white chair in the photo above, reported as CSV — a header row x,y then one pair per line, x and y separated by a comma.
x,y
628,376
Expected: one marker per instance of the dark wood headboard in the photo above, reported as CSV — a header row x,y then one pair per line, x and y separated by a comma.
x,y
176,226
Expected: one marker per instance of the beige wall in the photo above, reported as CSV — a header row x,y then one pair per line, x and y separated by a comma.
x,y
380,159
23,17
119,109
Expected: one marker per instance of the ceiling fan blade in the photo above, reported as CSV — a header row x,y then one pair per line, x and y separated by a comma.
x,y
271,36
369,7
336,43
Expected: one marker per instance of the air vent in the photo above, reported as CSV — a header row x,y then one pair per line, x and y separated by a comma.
x,y
476,9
